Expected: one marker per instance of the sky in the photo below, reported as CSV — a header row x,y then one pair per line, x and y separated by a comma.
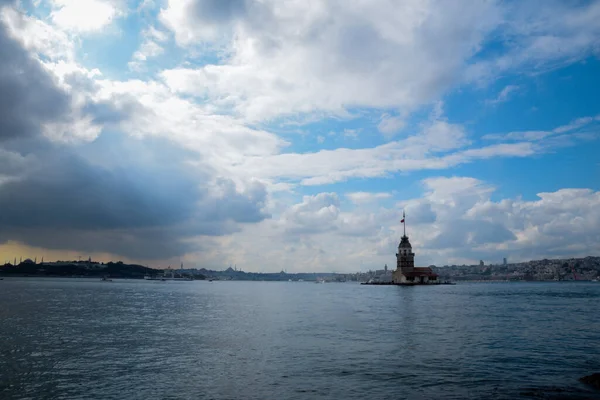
x,y
292,134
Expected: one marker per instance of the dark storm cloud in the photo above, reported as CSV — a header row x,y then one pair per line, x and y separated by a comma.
x,y
130,199
28,94
65,191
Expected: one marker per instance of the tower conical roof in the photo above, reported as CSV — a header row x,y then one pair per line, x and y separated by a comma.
x,y
404,243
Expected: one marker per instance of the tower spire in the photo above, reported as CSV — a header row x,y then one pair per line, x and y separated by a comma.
x,y
403,222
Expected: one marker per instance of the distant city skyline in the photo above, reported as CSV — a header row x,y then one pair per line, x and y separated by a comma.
x,y
288,135
363,268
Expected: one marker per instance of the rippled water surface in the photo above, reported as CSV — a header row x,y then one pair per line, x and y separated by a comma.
x,y
87,339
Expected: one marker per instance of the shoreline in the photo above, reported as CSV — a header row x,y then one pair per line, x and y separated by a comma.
x,y
99,278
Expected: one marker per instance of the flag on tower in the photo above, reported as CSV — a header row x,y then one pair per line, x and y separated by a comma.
x,y
403,223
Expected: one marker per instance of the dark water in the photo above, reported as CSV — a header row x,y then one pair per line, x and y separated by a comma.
x,y
86,339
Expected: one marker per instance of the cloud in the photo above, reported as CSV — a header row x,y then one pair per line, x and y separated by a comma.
x,y
577,126
419,212
537,40
204,20
469,225
390,125
146,5
143,197
367,197
351,133
438,145
187,162
83,16
315,214
294,58
504,94
455,221
29,96
322,213
149,48
45,92
36,35
283,59
143,204
222,141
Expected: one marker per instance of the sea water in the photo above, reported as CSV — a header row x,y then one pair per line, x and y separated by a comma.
x,y
129,339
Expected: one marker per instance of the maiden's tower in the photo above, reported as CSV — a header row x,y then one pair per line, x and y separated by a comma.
x,y
406,273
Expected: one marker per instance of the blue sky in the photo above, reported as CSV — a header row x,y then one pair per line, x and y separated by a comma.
x,y
291,135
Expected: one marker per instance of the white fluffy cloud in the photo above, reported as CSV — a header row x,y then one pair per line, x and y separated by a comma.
x,y
36,35
470,225
455,221
152,110
314,214
390,125
152,46
366,197
83,15
298,57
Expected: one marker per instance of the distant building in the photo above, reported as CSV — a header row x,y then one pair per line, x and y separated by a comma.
x,y
504,261
405,272
481,263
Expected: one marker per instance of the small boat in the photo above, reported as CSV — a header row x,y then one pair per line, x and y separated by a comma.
x,y
105,279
